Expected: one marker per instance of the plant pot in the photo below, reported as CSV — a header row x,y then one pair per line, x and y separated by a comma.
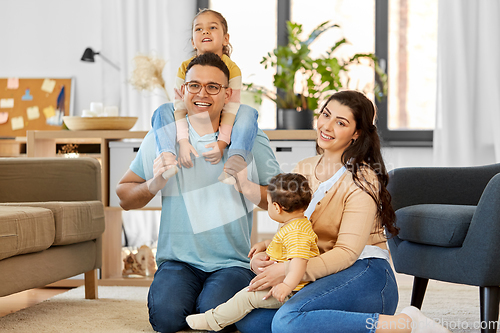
x,y
292,119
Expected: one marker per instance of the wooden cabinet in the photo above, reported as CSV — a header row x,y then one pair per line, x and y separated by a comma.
x,y
43,144
12,147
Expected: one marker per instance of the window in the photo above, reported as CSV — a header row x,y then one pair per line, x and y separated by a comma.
x,y
406,34
412,53
252,31
356,19
402,33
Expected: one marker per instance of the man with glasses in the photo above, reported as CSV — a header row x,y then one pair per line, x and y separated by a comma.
x,y
205,226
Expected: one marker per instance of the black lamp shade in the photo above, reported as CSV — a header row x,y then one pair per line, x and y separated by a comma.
x,y
88,55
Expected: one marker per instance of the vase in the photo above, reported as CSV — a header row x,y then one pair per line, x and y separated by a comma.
x,y
292,119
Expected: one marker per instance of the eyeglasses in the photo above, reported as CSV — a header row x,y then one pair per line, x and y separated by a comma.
x,y
211,88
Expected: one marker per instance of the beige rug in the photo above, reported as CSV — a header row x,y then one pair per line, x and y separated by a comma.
x,y
124,309
118,309
454,306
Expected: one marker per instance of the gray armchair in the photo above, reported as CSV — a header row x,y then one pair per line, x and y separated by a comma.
x,y
449,220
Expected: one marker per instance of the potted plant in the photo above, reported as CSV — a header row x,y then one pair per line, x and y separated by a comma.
x,y
318,78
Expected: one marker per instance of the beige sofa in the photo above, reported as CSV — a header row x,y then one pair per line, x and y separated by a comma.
x,y
51,222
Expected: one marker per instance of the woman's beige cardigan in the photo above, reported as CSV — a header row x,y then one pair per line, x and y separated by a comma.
x,y
344,220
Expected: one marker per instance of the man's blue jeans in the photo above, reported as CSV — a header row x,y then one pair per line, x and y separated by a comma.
x,y
349,301
179,289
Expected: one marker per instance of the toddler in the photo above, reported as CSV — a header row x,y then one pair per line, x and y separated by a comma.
x,y
288,197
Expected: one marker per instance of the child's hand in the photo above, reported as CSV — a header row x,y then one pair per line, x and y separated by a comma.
x,y
162,163
185,151
259,247
280,291
214,156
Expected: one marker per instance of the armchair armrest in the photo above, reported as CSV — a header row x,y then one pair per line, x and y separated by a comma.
x,y
49,179
439,185
484,229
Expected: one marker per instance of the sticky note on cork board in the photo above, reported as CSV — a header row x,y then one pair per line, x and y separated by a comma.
x,y
4,116
6,103
48,85
12,83
33,112
49,112
17,123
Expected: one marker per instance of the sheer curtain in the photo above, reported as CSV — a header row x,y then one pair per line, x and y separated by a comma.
x,y
468,86
154,27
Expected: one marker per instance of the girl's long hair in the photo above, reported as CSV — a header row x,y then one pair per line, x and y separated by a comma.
x,y
227,49
365,151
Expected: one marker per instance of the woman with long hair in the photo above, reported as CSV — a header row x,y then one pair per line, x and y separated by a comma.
x,y
353,286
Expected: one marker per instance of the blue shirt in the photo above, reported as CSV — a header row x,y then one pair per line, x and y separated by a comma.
x,y
206,223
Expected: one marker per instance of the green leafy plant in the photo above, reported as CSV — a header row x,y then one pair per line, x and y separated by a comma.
x,y
318,77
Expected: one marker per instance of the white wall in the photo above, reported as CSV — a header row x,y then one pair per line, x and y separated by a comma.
x,y
47,39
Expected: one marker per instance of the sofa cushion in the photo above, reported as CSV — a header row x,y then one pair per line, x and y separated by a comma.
x,y
75,221
433,224
25,230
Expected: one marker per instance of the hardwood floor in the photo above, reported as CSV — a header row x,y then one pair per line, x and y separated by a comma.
x,y
24,299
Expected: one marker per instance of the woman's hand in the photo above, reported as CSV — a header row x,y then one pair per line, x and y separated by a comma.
x,y
259,262
269,276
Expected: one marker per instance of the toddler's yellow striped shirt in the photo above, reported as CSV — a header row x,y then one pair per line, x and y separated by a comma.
x,y
295,239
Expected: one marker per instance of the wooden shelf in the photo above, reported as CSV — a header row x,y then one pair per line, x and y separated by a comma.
x,y
291,134
107,134
13,147
43,144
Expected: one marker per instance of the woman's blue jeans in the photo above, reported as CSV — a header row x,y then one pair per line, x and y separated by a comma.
x,y
242,136
179,289
349,301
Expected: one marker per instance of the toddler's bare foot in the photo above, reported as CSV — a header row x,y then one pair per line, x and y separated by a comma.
x,y
227,178
171,171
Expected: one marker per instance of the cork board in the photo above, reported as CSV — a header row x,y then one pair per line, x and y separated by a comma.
x,y
34,104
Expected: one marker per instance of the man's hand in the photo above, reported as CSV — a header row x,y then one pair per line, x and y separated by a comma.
x,y
185,151
162,163
215,155
236,166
